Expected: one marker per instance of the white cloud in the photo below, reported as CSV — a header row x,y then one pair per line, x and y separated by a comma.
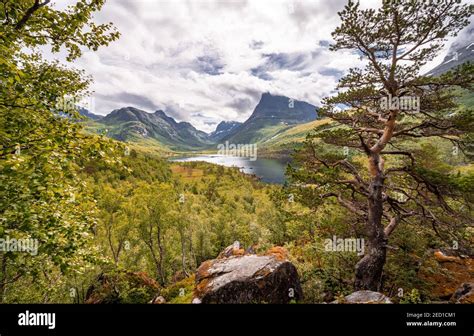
x,y
199,60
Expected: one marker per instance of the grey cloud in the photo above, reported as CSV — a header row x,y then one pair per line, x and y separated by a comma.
x,y
127,99
302,12
331,72
244,99
209,64
175,111
255,94
293,61
130,6
261,73
205,120
205,61
241,104
255,45
465,37
324,43
233,4
297,61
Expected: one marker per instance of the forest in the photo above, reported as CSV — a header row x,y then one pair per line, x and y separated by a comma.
x,y
117,222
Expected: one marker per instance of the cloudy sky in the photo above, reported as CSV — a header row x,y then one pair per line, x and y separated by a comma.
x,y
206,61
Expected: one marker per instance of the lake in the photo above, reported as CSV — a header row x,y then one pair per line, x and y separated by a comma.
x,y
268,170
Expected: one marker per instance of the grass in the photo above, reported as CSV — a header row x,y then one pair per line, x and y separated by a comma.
x,y
186,172
282,144
467,99
294,134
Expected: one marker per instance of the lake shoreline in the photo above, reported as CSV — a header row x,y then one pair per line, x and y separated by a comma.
x,y
265,169
275,155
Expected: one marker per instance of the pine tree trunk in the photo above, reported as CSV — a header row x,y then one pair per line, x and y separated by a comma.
x,y
369,269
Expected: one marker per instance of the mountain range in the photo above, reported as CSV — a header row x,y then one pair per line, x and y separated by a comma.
x,y
272,114
274,118
455,57
129,123
224,129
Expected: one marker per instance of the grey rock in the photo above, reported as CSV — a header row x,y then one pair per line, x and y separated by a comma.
x,y
158,300
247,279
464,294
365,296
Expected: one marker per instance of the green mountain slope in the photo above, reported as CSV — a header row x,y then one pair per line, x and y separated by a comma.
x,y
284,142
130,124
272,115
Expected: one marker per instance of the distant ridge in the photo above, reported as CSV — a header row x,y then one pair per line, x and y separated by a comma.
x,y
454,58
128,123
272,114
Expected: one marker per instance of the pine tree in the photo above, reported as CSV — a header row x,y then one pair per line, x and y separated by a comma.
x,y
372,158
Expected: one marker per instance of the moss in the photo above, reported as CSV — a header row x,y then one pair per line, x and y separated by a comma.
x,y
179,292
122,287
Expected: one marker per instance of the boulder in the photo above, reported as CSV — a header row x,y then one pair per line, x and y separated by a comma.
x,y
158,300
240,277
464,294
365,296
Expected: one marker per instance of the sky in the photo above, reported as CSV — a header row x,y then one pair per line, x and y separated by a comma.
x,y
205,61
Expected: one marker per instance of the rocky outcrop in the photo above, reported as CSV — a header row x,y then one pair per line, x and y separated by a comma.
x,y
365,296
464,294
238,276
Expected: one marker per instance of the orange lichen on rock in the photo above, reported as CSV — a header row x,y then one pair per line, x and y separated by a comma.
x,y
238,252
201,287
202,277
239,276
441,257
280,253
232,250
203,270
